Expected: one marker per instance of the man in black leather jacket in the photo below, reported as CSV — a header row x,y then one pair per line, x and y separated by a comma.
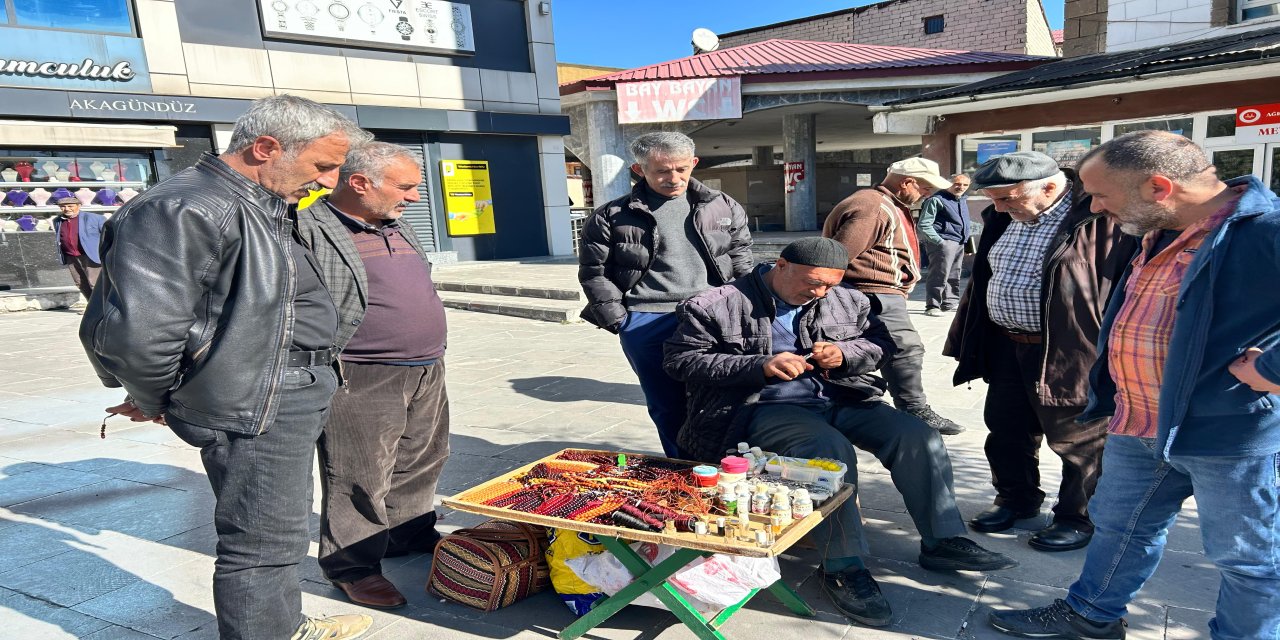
x,y
214,319
643,253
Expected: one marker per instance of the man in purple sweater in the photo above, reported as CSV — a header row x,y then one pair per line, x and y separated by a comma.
x,y
384,447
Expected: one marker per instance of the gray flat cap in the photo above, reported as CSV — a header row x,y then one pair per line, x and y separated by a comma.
x,y
1012,168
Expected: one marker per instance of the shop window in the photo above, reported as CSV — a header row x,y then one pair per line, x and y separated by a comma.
x,y
1181,126
1221,126
975,151
1232,163
1254,9
101,16
1066,146
934,24
31,182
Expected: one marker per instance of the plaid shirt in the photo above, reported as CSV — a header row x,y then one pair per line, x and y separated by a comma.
x,y
1139,342
1017,268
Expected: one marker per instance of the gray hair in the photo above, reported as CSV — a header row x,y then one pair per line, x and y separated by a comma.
x,y
1031,186
662,143
372,159
294,122
1148,153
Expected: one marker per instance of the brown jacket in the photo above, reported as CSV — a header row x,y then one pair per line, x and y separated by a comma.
x,y
878,232
1086,257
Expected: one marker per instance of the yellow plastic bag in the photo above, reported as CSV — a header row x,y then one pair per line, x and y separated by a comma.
x,y
578,595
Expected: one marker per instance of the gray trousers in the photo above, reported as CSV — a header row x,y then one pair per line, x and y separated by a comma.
x,y
84,273
381,455
263,489
942,284
912,452
903,371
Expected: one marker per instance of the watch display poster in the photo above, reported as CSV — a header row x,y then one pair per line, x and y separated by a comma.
x,y
425,25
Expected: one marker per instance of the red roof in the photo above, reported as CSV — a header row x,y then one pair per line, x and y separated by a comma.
x,y
772,57
1057,36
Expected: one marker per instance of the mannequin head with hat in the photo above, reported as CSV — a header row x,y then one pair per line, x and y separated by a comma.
x,y
807,269
1023,184
70,207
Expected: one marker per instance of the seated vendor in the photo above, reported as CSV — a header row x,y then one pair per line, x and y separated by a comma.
x,y
783,358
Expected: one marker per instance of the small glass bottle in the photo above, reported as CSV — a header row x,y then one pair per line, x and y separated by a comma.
x,y
801,504
760,503
781,508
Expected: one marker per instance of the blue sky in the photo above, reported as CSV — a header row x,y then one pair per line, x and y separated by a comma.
x,y
624,34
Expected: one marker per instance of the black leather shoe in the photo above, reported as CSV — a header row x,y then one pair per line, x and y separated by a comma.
x,y
1060,536
1057,620
857,596
999,519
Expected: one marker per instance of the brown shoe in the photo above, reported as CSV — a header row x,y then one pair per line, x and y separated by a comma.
x,y
373,591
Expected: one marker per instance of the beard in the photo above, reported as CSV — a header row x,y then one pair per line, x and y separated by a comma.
x,y
1141,218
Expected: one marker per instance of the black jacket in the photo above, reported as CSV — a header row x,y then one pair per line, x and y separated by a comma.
x,y
616,247
1084,260
193,313
725,338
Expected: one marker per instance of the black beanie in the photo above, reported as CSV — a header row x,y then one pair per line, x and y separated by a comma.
x,y
816,251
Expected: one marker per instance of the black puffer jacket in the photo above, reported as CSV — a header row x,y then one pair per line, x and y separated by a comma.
x,y
617,241
726,337
193,313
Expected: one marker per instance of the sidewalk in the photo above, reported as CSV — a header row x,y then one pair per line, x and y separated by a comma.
x,y
114,538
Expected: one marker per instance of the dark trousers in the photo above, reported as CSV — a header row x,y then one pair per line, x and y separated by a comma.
x,y
1017,422
84,273
942,285
642,336
902,372
381,455
262,485
911,451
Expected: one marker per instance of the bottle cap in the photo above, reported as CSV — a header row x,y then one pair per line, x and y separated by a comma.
x,y
734,464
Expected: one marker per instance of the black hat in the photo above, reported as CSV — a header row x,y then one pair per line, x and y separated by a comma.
x,y
816,251
1012,168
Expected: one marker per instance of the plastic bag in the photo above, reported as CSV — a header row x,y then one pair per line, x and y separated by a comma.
x,y
565,546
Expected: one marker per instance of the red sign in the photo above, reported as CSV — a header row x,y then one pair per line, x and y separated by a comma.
x,y
679,100
1258,123
793,174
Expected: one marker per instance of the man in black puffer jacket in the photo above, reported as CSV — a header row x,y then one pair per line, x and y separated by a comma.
x,y
643,253
783,359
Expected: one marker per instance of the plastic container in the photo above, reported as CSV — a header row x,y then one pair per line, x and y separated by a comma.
x,y
733,469
760,504
728,499
705,476
781,509
798,469
743,447
801,504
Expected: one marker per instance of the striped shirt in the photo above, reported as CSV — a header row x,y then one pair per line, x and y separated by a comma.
x,y
1017,268
876,229
1138,345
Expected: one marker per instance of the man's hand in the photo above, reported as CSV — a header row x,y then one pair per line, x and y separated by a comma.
x,y
1245,370
786,366
133,413
827,355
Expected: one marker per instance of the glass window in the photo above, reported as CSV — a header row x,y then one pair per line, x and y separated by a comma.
x,y
1181,126
1254,9
1275,169
975,151
934,24
1233,163
106,16
1221,126
31,182
1066,146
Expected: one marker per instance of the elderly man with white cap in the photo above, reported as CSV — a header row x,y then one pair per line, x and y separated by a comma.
x,y
875,227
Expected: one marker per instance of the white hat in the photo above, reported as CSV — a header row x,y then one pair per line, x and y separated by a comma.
x,y
921,169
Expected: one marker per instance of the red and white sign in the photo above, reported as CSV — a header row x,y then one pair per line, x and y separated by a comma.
x,y
793,174
1258,123
679,100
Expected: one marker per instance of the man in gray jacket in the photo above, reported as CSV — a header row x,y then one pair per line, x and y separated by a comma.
x,y
643,253
212,316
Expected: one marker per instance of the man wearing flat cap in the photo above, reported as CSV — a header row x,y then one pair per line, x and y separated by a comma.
x,y
784,358
875,227
77,235
1028,325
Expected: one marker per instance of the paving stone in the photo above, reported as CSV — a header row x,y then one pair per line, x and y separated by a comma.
x,y
22,616
149,609
25,481
145,511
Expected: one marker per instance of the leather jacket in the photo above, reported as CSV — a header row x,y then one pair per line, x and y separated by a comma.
x,y
193,313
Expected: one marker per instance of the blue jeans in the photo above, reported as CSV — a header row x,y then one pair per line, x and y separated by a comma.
x,y
1137,500
642,335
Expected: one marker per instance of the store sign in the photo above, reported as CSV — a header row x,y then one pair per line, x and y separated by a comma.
x,y
679,100
62,60
427,25
793,174
989,150
1258,123
106,105
468,197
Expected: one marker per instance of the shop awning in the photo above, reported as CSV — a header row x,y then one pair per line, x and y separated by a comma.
x,y
23,133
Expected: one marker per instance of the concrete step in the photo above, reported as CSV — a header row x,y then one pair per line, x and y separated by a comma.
x,y
462,285
549,310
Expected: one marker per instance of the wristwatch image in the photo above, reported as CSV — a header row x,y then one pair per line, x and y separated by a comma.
x,y
404,28
308,10
371,16
340,13
280,7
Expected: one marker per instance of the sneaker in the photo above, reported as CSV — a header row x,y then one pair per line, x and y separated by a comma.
x,y
856,594
963,554
345,627
1057,620
931,418
933,312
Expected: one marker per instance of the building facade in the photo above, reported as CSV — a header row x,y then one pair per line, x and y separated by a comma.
x,y
103,98
1095,26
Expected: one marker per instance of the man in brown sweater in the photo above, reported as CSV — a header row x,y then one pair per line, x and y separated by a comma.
x,y
875,226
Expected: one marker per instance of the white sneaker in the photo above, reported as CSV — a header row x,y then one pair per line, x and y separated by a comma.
x,y
344,627
933,312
